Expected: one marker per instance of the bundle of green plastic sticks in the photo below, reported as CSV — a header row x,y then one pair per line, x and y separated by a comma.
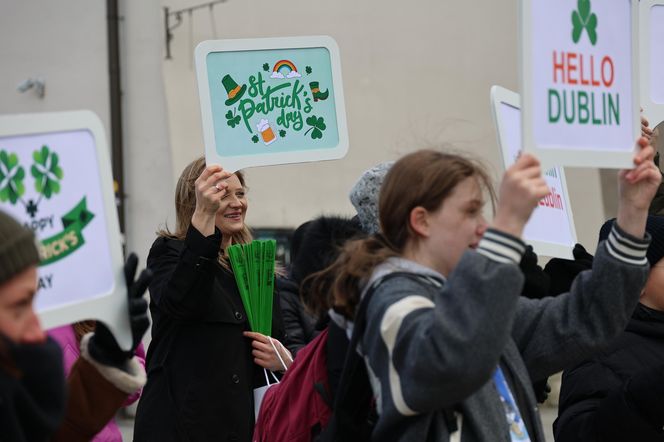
x,y
253,266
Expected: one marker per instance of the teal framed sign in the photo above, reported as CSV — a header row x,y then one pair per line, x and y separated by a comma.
x,y
271,101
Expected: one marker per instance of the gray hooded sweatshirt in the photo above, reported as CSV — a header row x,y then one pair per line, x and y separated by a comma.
x,y
433,343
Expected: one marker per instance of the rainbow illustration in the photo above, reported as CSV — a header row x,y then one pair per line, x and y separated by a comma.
x,y
285,69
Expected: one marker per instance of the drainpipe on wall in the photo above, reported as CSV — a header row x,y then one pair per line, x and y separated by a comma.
x,y
113,24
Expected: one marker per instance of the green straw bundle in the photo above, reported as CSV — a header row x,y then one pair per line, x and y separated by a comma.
x,y
253,266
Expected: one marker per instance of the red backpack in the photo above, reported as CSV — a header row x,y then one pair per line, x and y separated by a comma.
x,y
297,408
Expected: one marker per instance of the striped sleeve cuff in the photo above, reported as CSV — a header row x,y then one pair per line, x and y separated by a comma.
x,y
627,248
501,247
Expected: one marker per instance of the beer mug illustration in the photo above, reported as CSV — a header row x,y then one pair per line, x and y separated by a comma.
x,y
266,131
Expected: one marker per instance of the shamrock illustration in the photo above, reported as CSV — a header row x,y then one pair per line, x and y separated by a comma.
x,y
233,120
11,178
584,19
282,133
254,138
317,125
266,67
308,70
46,171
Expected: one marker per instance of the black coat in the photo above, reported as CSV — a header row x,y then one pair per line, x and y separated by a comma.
x,y
200,369
299,325
619,395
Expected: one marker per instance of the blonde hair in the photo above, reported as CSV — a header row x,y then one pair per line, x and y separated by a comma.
x,y
185,205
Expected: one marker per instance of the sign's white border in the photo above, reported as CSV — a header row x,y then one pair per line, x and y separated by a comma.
x,y
111,307
654,112
500,95
562,155
233,163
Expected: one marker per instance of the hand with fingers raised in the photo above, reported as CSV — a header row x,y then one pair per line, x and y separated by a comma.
x,y
520,190
210,189
636,189
103,347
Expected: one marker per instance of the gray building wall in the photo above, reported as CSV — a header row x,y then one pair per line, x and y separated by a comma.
x,y
416,74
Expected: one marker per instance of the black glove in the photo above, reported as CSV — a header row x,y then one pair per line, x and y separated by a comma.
x,y
563,271
103,346
542,390
536,284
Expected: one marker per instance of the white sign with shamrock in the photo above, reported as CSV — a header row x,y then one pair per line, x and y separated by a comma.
x,y
580,81
550,229
55,179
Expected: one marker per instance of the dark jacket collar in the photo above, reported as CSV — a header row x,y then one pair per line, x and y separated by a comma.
x,y
647,322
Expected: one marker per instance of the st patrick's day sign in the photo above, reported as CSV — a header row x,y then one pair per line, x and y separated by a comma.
x,y
579,61
271,101
55,179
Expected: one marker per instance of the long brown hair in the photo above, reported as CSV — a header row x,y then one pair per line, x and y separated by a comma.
x,y
185,204
421,179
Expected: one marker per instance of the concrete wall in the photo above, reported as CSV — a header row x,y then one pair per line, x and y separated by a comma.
x,y
65,43
415,74
148,182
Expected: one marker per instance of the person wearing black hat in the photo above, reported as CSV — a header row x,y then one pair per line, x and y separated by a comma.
x,y
619,394
33,403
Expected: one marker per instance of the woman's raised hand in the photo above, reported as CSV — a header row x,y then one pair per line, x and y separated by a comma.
x,y
269,353
520,191
210,188
636,189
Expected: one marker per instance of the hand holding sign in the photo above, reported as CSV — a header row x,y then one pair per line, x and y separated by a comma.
x,y
520,191
211,187
637,187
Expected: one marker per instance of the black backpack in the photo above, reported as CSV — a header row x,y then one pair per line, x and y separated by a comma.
x,y
354,413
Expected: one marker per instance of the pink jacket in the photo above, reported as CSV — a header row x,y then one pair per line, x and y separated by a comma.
x,y
66,338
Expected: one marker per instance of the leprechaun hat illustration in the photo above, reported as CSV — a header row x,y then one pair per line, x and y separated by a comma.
x,y
315,91
234,91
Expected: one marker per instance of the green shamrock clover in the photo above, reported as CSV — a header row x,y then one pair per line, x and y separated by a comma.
x,y
584,19
308,70
266,67
46,171
317,125
11,178
254,138
233,120
282,133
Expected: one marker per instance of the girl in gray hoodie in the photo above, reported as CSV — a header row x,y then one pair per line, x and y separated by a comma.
x,y
451,330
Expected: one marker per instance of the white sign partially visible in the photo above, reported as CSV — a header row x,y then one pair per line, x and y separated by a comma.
x,y
56,180
580,82
550,229
652,59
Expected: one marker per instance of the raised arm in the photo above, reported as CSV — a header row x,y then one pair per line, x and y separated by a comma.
x,y
184,271
555,333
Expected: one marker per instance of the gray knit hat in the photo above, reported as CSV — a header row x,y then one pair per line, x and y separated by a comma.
x,y
364,196
17,248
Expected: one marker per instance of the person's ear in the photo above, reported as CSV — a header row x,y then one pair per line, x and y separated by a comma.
x,y
419,221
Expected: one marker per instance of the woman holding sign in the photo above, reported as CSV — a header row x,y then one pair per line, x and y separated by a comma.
x,y
204,362
448,340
